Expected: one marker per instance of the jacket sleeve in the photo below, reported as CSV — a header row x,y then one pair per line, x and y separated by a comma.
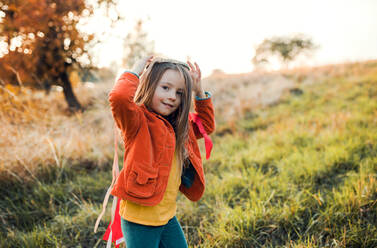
x,y
204,108
125,111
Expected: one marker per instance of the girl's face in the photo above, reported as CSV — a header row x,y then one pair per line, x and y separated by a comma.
x,y
168,94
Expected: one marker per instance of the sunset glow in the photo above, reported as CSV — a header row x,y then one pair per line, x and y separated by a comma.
x,y
222,35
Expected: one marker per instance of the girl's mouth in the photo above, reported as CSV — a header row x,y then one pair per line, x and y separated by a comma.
x,y
168,105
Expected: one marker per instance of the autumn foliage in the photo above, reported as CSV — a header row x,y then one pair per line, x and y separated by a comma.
x,y
43,43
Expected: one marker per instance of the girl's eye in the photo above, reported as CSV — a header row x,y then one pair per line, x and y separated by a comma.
x,y
180,93
165,87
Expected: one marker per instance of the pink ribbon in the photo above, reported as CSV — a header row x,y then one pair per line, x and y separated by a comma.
x,y
113,232
207,140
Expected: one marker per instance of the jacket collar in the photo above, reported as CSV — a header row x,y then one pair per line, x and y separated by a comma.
x,y
158,116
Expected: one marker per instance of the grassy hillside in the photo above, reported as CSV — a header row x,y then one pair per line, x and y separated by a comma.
x,y
300,171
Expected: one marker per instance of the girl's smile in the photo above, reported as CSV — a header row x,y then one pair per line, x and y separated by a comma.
x,y
168,94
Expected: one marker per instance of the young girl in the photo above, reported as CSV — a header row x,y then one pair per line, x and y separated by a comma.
x,y
161,152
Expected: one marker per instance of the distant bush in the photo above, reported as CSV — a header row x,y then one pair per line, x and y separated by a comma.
x,y
286,49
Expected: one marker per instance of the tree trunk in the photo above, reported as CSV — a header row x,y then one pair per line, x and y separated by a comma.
x,y
70,97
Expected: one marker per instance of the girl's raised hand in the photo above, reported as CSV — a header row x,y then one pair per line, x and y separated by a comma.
x,y
196,76
140,65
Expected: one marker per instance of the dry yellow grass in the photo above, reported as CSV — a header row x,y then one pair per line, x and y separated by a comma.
x,y
308,75
37,130
237,94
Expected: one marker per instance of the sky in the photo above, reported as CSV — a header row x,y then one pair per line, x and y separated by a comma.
x,y
223,34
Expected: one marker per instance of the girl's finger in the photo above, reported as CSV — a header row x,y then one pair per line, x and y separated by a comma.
x,y
149,61
198,69
191,66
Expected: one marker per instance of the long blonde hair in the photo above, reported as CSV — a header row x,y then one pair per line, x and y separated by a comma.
x,y
179,118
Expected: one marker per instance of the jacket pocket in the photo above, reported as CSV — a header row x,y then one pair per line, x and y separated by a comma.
x,y
142,182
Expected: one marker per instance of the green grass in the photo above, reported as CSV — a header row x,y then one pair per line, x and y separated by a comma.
x,y
57,212
300,173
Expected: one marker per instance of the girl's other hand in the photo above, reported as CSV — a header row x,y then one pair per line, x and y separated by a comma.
x,y
140,65
196,76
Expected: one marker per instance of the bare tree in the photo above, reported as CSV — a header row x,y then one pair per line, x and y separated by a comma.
x,y
136,45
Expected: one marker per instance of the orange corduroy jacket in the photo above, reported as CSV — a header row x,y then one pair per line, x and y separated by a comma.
x,y
149,142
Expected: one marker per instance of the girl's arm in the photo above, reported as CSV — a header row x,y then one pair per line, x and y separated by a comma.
x,y
125,112
203,104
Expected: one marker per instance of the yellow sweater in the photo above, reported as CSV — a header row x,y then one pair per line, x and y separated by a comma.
x,y
161,213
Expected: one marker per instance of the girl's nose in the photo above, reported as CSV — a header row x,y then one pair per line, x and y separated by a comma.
x,y
172,95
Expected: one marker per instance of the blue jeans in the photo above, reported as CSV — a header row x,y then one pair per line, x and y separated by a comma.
x,y
142,236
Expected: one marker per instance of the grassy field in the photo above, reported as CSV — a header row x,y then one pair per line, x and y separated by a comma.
x,y
300,171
